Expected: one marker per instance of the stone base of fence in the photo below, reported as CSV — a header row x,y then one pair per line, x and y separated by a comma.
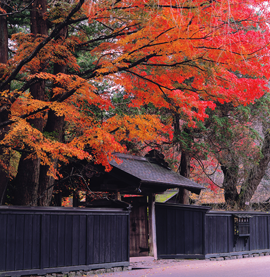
x,y
86,273
237,255
74,271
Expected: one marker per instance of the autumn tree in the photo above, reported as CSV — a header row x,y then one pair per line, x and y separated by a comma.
x,y
176,55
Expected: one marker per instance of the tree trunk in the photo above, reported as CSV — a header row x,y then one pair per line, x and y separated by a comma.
x,y
55,125
38,23
4,114
3,39
256,174
26,182
27,179
229,184
184,170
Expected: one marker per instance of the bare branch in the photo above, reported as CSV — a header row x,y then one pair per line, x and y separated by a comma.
x,y
11,13
207,174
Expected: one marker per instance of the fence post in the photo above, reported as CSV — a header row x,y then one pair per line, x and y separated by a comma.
x,y
205,242
152,227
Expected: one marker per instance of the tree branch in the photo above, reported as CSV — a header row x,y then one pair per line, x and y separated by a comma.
x,y
54,33
5,14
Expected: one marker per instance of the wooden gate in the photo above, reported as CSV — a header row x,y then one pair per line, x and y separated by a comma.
x,y
138,227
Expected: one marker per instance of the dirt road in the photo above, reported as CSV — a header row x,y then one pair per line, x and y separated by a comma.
x,y
246,267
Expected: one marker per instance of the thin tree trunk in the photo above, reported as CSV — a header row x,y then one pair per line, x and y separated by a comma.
x,y
184,168
4,110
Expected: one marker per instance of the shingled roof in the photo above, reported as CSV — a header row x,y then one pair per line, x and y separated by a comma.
x,y
148,173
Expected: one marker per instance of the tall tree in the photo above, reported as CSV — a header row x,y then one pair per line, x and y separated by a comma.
x,y
54,126
27,182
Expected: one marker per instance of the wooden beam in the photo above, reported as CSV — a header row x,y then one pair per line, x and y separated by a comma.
x,y
152,227
118,196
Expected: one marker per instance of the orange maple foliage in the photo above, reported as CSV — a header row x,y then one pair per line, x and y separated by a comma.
x,y
181,55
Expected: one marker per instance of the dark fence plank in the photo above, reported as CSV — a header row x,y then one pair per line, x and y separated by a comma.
x,y
211,234
27,242
113,238
107,239
161,223
10,248
208,234
68,239
103,231
230,234
252,239
85,235
125,237
61,237
170,239
91,237
36,241
53,240
118,253
221,235
19,245
189,232
75,240
198,236
180,238
3,241
256,234
45,241
96,242
263,229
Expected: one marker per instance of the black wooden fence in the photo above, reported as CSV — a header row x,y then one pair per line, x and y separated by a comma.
x,y
180,231
222,236
195,232
45,240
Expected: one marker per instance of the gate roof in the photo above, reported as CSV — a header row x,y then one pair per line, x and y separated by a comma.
x,y
149,175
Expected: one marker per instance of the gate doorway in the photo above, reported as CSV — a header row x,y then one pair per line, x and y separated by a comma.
x,y
138,244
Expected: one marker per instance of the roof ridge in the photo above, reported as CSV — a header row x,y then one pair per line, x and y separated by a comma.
x,y
130,157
